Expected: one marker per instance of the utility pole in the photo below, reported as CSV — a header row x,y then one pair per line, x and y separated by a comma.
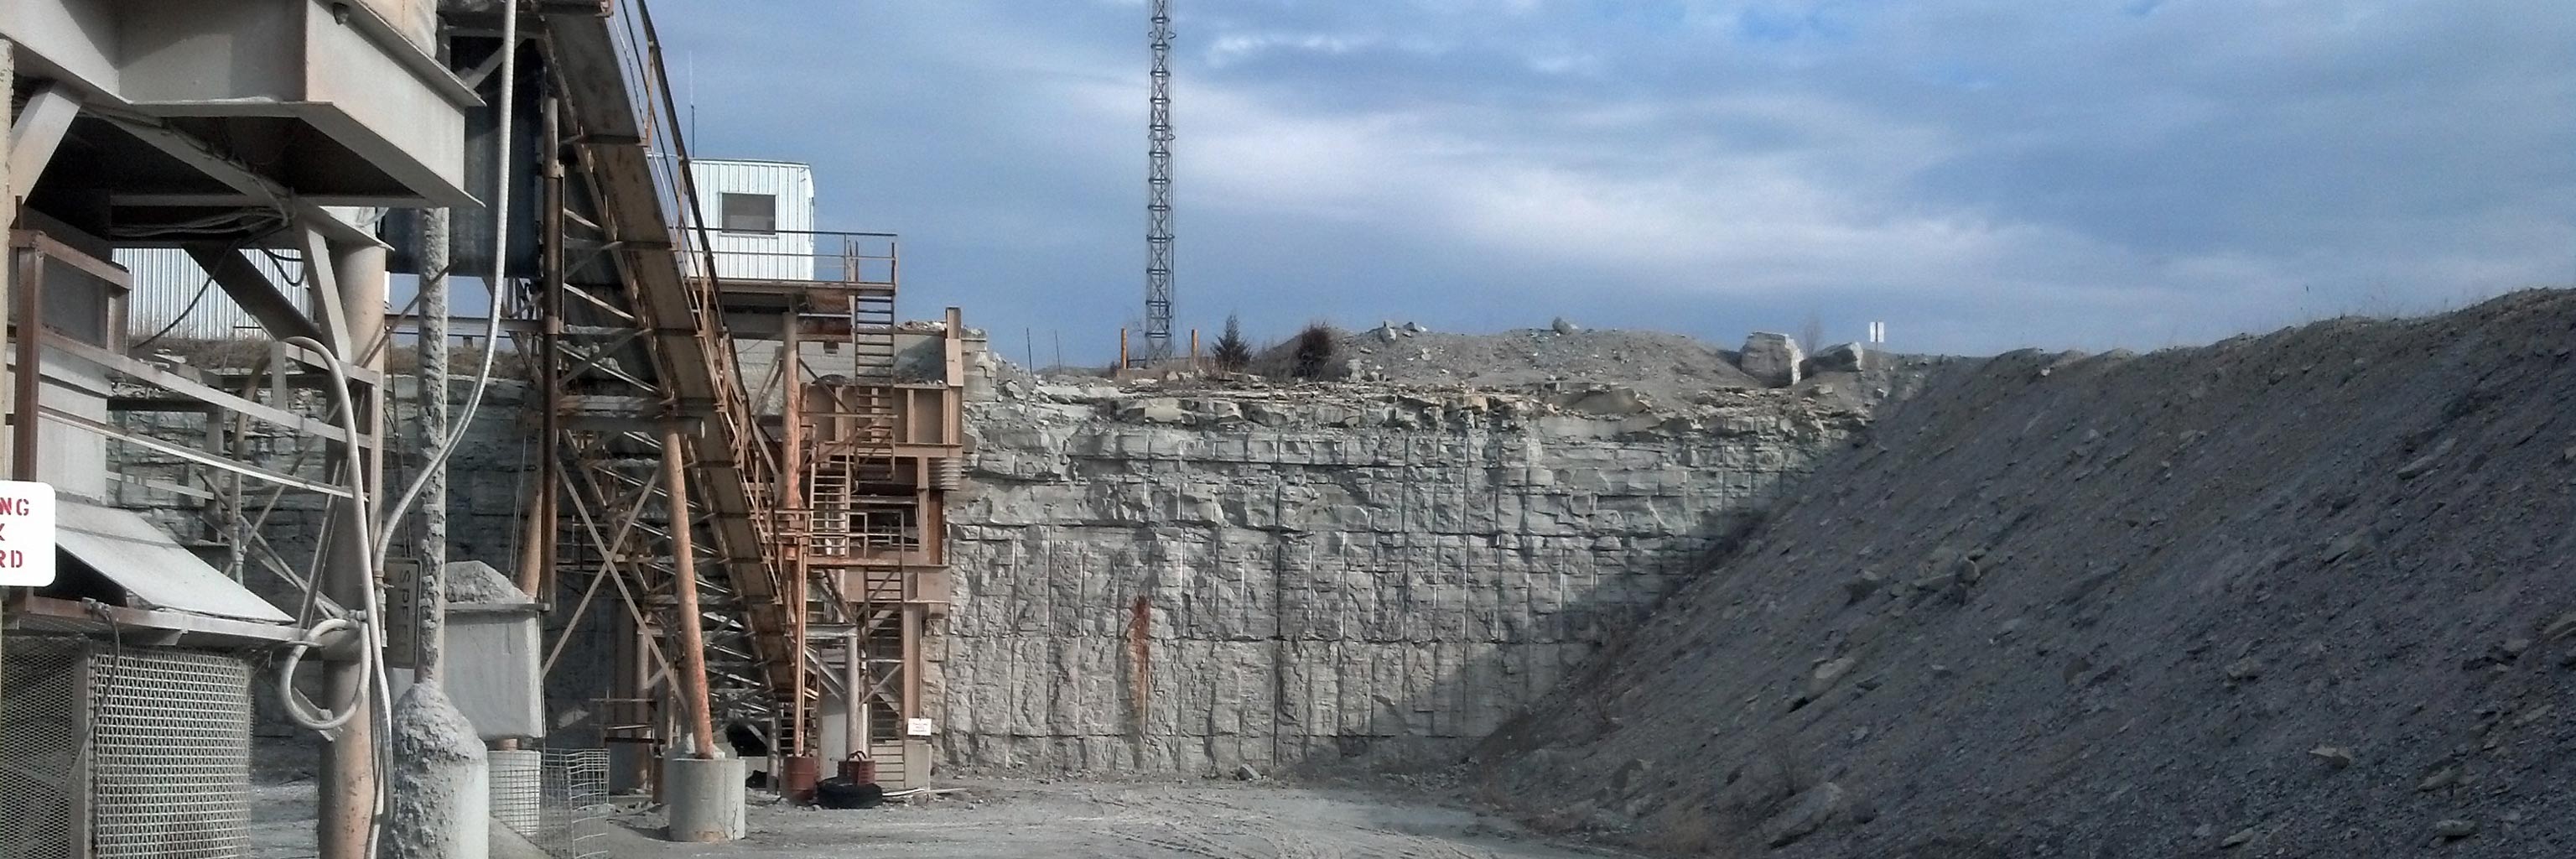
x,y
1158,197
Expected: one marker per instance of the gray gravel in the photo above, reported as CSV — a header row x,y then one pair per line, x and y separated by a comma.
x,y
1668,365
1013,820
2308,594
1209,820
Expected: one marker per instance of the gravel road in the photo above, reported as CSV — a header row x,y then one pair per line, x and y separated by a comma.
x,y
1010,820
1213,820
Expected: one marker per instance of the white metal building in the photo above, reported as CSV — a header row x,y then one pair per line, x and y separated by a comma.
x,y
172,297
764,215
763,212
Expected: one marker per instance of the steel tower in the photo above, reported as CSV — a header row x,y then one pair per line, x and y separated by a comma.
x,y
1158,197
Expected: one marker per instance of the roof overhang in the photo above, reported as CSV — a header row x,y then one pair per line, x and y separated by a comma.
x,y
156,573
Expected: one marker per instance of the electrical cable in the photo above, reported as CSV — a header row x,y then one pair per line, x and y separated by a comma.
x,y
209,286
205,289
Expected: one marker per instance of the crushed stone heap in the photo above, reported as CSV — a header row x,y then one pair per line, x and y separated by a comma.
x,y
2307,594
1669,366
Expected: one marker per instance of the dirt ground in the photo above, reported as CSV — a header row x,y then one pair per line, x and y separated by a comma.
x,y
1009,820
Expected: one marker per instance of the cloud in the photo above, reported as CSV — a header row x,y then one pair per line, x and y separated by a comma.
x,y
1984,175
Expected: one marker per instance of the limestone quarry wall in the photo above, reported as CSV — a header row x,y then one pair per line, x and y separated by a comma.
x,y
1306,579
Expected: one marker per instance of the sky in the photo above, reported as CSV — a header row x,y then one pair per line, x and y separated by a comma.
x,y
1980,175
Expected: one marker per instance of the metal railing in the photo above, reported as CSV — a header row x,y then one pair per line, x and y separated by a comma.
x,y
802,256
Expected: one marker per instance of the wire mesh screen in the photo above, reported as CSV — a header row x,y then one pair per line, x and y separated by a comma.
x,y
573,805
114,752
170,754
518,791
40,747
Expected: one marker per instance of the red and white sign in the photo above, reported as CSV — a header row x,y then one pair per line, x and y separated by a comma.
x,y
26,533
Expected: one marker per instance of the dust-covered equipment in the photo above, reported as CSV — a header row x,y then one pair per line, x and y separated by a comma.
x,y
496,639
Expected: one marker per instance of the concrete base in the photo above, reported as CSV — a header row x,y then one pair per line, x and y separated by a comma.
x,y
705,799
441,786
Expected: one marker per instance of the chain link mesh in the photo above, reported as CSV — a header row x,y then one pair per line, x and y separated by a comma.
x,y
170,754
139,752
40,747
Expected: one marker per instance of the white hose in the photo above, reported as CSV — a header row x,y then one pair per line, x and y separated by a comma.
x,y
492,316
298,709
379,540
371,654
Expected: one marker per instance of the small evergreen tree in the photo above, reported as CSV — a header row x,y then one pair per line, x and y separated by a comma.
x,y
1232,353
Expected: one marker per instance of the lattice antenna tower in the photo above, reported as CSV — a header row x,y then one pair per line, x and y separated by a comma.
x,y
1158,195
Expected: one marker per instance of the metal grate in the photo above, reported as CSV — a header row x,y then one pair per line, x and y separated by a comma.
x,y
40,747
170,754
111,752
573,810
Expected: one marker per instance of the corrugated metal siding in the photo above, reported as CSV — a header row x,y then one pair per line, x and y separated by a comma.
x,y
166,281
785,255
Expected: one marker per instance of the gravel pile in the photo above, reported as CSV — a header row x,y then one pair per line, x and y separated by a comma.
x,y
2308,594
1668,366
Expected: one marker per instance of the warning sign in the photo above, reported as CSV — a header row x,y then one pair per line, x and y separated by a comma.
x,y
26,533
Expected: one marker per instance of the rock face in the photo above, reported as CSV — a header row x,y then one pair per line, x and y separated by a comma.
x,y
1772,359
1307,579
2299,587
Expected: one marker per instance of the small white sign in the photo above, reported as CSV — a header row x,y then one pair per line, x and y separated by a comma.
x,y
917,727
26,533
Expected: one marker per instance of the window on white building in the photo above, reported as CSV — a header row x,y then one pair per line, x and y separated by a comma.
x,y
751,213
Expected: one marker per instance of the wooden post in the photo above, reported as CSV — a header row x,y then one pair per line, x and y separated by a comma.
x,y
1122,348
684,570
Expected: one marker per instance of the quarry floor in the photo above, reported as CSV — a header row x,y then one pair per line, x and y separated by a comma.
x,y
1015,819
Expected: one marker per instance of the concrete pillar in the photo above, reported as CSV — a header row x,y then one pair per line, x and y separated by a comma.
x,y
442,792
832,732
705,798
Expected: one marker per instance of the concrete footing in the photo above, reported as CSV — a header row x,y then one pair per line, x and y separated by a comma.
x,y
442,791
705,798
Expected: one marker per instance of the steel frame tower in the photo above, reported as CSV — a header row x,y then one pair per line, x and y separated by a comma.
x,y
1158,197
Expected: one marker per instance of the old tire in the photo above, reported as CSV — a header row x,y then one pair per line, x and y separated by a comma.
x,y
845,794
